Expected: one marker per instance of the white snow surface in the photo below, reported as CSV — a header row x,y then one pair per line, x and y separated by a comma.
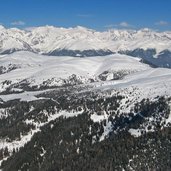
x,y
36,69
135,132
149,83
39,68
141,82
25,96
46,39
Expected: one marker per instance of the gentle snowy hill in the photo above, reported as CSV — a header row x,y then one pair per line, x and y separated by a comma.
x,y
29,71
56,107
148,44
26,71
25,68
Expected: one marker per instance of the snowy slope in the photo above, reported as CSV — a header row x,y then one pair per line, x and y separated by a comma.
x,y
149,83
143,39
112,76
119,72
37,69
142,82
48,39
12,40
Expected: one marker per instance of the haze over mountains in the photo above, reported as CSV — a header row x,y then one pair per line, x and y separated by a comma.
x,y
152,46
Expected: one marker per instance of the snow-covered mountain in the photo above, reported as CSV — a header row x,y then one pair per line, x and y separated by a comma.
x,y
56,109
61,108
148,44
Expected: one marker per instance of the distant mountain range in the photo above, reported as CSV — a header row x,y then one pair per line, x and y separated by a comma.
x,y
152,46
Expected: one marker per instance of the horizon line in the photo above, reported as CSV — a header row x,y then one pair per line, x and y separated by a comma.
x,y
79,26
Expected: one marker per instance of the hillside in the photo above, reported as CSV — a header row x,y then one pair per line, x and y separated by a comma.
x,y
150,45
83,113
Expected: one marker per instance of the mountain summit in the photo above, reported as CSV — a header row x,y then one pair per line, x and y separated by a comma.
x,y
81,41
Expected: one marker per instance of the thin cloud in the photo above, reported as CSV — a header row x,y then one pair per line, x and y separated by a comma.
x,y
121,24
18,23
125,24
161,23
84,15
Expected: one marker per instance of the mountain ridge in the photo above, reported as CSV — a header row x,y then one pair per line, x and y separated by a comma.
x,y
150,45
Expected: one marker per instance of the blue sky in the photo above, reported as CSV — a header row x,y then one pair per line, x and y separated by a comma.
x,y
96,14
